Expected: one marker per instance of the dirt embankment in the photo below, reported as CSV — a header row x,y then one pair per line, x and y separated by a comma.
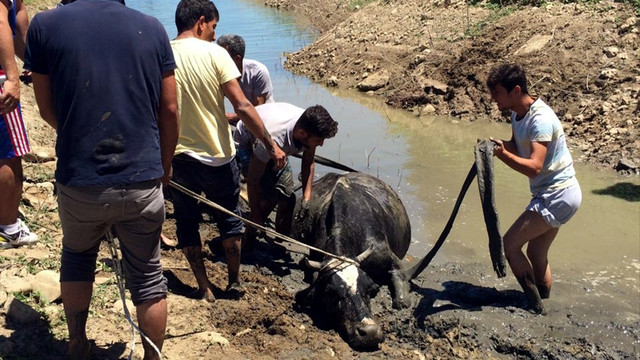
x,y
432,57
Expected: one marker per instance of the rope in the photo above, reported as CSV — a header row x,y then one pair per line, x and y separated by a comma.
x,y
267,230
118,271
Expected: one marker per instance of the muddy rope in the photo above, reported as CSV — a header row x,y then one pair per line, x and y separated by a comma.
x,y
267,230
483,167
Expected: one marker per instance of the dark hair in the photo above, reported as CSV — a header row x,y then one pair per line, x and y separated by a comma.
x,y
317,122
508,75
233,43
189,11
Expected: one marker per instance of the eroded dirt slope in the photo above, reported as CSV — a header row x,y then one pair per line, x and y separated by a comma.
x,y
433,58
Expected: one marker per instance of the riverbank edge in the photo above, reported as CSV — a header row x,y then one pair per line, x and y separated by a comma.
x,y
392,50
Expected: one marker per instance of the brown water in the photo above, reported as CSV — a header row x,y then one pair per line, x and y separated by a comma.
x,y
426,160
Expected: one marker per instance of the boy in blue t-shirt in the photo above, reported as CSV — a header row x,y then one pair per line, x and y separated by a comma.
x,y
538,150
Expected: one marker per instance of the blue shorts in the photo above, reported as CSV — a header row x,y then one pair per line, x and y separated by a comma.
x,y
13,135
558,206
220,184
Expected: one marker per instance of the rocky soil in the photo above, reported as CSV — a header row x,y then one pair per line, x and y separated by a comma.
x,y
461,312
432,57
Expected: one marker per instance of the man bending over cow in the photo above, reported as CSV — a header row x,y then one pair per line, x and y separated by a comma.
x,y
295,130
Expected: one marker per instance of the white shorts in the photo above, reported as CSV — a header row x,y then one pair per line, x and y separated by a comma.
x,y
558,206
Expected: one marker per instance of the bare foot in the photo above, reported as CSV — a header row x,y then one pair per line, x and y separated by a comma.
x,y
168,242
203,294
235,290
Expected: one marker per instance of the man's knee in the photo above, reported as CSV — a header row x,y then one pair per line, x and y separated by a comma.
x,y
232,245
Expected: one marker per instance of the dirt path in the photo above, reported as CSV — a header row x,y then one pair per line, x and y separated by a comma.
x,y
462,311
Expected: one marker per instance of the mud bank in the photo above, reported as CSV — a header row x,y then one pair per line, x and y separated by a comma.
x,y
433,57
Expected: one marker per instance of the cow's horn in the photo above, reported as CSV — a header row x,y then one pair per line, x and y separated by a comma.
x,y
360,258
313,265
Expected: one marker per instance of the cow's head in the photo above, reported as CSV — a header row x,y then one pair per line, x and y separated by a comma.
x,y
342,292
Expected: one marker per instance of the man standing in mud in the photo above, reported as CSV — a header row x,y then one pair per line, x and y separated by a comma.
x,y
538,150
204,160
295,130
110,93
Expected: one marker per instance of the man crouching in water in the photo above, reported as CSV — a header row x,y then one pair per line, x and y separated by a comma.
x,y
538,150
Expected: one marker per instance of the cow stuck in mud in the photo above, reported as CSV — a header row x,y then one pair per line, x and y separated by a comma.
x,y
358,216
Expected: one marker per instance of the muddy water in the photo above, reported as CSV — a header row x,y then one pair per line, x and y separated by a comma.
x,y
426,159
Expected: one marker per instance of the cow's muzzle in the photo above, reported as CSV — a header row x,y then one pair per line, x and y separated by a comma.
x,y
365,335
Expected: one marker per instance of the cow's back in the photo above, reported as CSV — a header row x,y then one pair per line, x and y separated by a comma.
x,y
350,213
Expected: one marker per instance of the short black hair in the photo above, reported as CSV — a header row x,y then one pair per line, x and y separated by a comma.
x,y
316,121
233,43
189,11
508,75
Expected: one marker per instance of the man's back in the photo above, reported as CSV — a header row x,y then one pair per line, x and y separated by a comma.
x,y
256,81
105,62
202,69
279,119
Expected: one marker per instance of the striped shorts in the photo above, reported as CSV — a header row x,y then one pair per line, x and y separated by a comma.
x,y
13,134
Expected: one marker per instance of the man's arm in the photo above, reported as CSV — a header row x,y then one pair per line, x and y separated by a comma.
x,y
233,118
507,151
308,169
168,123
11,87
254,174
252,121
22,25
44,98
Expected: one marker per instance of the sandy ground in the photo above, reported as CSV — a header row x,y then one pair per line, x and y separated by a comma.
x,y
461,310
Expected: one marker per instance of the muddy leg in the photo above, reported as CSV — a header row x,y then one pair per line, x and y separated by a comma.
x,y
232,249
531,291
399,288
537,253
284,216
76,297
528,227
196,261
152,317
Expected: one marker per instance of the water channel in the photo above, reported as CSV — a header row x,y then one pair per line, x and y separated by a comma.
x,y
426,160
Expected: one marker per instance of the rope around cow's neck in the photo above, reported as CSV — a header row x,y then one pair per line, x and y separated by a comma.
x,y
267,230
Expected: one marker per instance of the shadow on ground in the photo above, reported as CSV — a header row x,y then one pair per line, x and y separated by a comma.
x,y
626,191
465,296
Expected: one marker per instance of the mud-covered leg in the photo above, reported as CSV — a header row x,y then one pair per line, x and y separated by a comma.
x,y
527,228
531,291
399,288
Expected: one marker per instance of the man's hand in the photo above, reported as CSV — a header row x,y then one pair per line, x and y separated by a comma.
x,y
498,147
303,213
232,118
167,177
278,156
10,96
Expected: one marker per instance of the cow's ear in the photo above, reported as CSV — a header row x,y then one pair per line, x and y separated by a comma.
x,y
306,297
373,290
